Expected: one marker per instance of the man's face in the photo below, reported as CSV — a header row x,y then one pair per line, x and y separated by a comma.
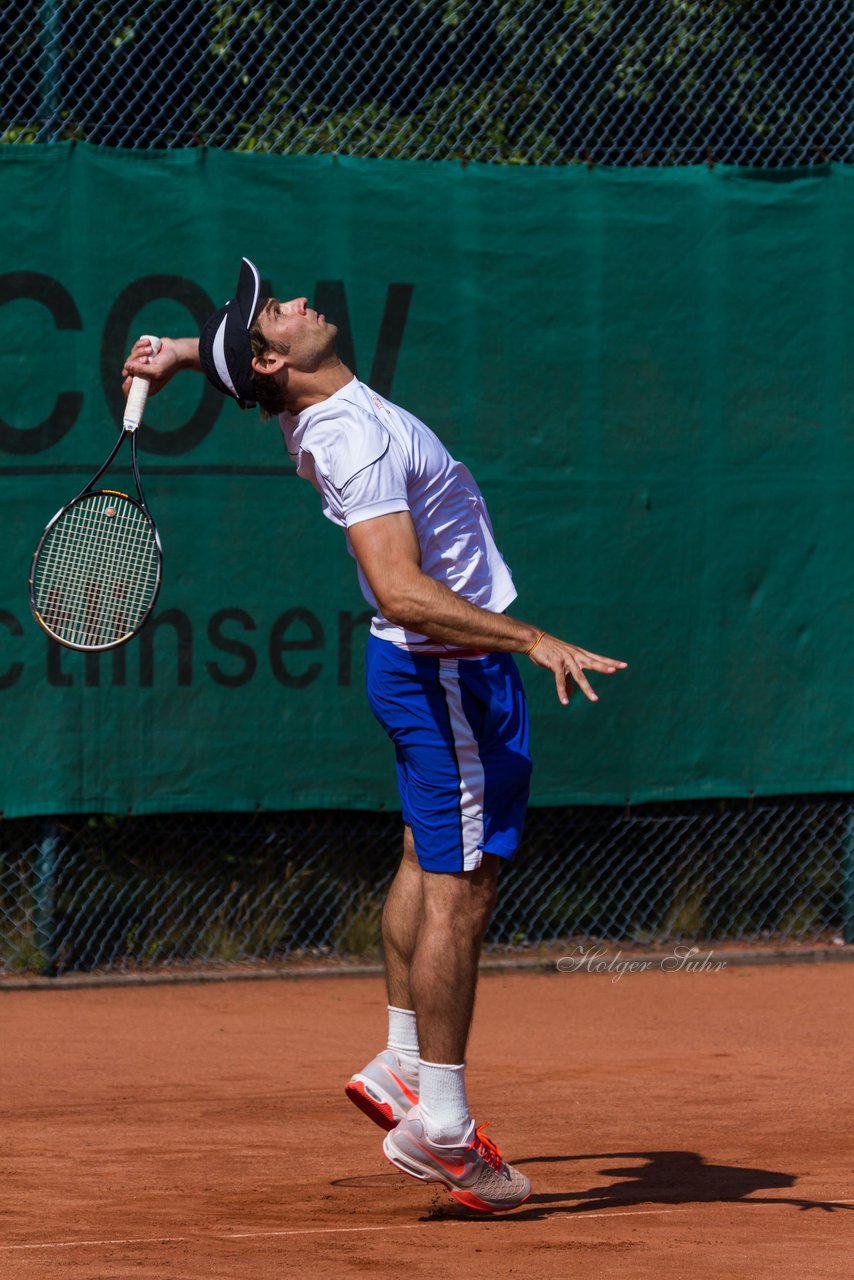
x,y
308,336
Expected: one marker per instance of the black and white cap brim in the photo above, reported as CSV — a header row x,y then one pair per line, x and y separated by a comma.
x,y
224,347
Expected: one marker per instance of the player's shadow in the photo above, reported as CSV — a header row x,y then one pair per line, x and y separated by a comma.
x,y
663,1177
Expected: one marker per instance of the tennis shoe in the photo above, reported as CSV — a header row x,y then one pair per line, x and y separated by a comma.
x,y
474,1172
384,1089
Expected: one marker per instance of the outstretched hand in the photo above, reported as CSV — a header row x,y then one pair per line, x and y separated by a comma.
x,y
158,369
568,662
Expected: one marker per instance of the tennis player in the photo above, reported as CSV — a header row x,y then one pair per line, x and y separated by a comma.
x,y
441,680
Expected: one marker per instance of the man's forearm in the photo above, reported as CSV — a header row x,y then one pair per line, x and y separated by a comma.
x,y
431,609
421,604
187,350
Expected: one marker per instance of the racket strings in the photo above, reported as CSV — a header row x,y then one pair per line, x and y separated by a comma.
x,y
97,571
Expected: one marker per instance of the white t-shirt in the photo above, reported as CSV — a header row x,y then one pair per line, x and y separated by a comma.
x,y
367,457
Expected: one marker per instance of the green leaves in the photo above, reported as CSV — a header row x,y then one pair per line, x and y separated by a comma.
x,y
531,81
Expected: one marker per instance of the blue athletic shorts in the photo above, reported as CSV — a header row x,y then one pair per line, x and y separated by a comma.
x,y
460,733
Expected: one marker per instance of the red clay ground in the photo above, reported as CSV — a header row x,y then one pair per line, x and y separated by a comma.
x,y
673,1124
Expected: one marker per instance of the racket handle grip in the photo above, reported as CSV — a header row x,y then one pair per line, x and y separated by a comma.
x,y
138,394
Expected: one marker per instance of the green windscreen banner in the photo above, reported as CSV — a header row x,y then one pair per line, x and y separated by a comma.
x,y
650,373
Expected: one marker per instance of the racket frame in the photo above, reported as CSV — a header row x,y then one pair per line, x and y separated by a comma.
x,y
130,423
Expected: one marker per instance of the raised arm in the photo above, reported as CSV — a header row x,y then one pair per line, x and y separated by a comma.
x,y
175,354
389,556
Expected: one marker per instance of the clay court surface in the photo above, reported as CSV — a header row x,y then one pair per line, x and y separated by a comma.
x,y
673,1125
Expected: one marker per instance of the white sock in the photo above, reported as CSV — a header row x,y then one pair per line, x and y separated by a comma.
x,y
403,1037
442,1101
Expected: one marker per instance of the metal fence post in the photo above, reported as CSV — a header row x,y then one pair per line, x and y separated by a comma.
x,y
45,898
50,34
848,875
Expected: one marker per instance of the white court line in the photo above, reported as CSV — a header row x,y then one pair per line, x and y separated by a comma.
x,y
578,1217
92,1244
325,1231
294,1231
411,1226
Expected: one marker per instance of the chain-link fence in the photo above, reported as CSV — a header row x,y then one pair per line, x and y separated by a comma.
x,y
136,893
622,82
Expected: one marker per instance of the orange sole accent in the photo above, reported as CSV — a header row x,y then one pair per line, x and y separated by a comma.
x,y
379,1112
472,1202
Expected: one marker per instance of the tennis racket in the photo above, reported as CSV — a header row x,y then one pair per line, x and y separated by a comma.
x,y
96,571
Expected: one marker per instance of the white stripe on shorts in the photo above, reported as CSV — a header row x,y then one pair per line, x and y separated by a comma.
x,y
471,768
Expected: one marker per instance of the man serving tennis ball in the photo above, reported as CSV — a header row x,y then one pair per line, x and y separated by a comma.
x,y
443,683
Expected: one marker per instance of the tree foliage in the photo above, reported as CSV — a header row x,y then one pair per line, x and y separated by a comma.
x,y
542,81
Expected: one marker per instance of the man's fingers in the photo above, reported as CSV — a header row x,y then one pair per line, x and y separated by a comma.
x,y
568,662
137,365
583,683
564,676
136,369
596,662
142,362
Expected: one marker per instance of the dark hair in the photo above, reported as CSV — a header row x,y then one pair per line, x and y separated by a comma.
x,y
269,393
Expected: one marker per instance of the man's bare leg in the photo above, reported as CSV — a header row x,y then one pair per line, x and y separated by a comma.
x,y
456,910
401,920
386,1088
433,927
439,1140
